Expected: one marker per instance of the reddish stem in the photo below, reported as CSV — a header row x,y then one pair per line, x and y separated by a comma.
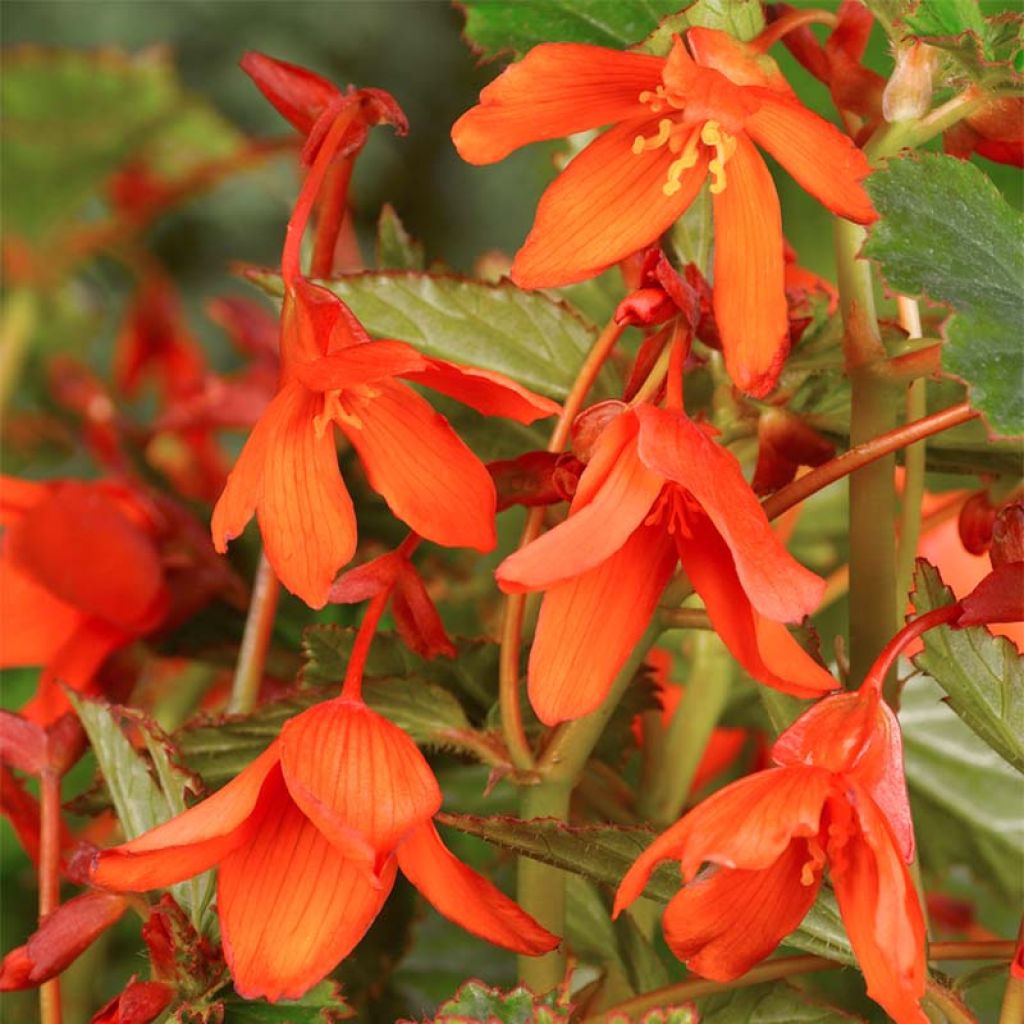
x,y
352,688
49,880
332,214
788,22
863,454
910,632
291,265
676,358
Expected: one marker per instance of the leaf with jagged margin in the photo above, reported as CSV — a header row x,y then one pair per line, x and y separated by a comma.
x,y
476,1001
982,674
141,801
529,336
965,798
742,19
396,248
775,1003
322,1004
604,853
946,231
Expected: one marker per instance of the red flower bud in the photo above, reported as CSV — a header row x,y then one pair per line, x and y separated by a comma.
x,y
1008,535
590,424
139,1003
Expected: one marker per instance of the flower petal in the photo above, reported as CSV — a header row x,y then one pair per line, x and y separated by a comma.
x,y
428,477
740,62
882,914
358,778
747,825
289,471
821,158
79,545
36,624
190,842
727,921
359,364
589,625
557,89
467,898
606,205
763,647
749,286
601,519
676,448
490,393
290,905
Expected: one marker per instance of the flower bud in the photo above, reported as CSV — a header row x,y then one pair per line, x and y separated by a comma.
x,y
908,93
1008,535
590,424
975,523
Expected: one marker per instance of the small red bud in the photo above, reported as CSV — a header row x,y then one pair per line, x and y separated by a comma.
x,y
1008,535
975,523
590,424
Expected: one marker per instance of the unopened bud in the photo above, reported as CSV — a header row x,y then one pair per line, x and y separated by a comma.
x,y
590,424
975,523
1008,535
908,93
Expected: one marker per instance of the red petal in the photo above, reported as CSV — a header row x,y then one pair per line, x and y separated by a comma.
x,y
17,496
193,841
291,906
727,921
360,364
824,161
417,618
22,743
776,584
748,824
557,89
467,898
300,96
80,546
611,501
589,625
428,477
749,287
366,580
881,913
36,623
487,391
288,470
360,779
738,61
606,205
999,597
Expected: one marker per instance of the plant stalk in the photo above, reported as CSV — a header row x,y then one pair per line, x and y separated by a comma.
x,y
259,626
49,880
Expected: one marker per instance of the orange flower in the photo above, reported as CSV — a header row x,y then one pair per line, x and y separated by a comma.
x,y
677,121
658,491
81,577
838,796
331,373
308,839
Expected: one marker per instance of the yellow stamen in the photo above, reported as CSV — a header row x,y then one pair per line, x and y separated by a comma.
x,y
664,131
724,145
687,160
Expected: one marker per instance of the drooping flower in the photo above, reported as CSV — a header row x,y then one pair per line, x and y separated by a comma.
x,y
658,491
307,840
82,576
677,122
837,796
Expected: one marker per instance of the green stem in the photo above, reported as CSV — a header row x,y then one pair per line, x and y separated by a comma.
x,y
913,462
541,887
874,614
17,325
259,625
707,690
891,138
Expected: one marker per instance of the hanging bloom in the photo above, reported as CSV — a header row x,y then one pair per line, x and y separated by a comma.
x,y
658,491
838,796
678,122
332,374
322,819
82,576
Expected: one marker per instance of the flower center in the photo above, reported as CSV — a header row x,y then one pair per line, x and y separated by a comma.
x,y
344,407
685,139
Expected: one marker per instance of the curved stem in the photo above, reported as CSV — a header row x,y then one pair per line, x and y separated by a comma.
x,y
515,604
783,967
352,687
259,626
891,138
862,454
788,22
49,880
331,217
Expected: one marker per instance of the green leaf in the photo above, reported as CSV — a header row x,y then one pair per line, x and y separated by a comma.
x,y
643,965
70,118
945,18
322,1004
396,248
500,28
528,336
982,674
588,926
604,853
743,19
478,1002
776,1003
965,798
946,231
141,801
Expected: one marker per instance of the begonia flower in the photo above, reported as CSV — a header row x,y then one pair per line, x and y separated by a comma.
x,y
82,577
678,121
307,841
836,796
658,491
